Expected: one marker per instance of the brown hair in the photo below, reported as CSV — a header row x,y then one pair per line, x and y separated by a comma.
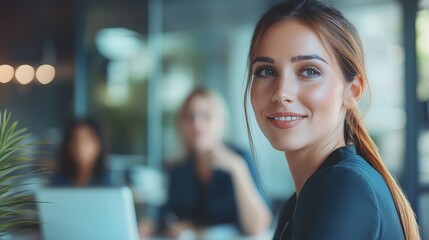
x,y
342,38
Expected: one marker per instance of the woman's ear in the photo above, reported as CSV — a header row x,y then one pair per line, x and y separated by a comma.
x,y
353,92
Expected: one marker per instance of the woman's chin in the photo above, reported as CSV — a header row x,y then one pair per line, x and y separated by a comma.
x,y
203,147
286,146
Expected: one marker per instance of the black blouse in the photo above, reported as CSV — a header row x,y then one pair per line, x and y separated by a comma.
x,y
346,198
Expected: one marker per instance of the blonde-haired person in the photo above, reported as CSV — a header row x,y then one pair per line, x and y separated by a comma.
x,y
306,77
216,183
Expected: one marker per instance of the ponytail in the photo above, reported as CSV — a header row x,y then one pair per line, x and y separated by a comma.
x,y
355,132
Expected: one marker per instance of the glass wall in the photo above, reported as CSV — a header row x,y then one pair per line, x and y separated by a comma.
x,y
422,28
422,38
117,71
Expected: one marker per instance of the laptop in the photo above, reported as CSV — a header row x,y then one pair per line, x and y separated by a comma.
x,y
87,213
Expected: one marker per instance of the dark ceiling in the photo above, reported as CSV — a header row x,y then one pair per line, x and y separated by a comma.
x,y
35,31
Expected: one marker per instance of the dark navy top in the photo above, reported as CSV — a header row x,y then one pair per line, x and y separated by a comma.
x,y
204,205
346,198
102,180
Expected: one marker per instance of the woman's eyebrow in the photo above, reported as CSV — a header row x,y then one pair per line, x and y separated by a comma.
x,y
263,59
294,59
300,58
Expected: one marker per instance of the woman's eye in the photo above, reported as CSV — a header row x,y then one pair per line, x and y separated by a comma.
x,y
310,72
265,72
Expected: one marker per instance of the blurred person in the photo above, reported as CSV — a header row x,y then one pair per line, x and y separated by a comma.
x,y
215,184
306,77
82,156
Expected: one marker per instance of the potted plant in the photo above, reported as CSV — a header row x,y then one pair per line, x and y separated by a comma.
x,y
17,205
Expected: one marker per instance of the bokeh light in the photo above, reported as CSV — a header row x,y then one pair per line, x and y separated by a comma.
x,y
45,74
6,73
24,74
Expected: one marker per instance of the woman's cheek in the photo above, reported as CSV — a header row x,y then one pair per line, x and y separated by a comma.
x,y
321,95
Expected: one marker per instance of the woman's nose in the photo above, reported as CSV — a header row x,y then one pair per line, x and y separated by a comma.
x,y
284,90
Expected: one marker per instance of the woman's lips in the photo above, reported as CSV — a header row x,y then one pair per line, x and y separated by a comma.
x,y
286,119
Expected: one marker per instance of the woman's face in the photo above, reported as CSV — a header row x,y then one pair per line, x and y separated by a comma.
x,y
84,146
297,89
202,124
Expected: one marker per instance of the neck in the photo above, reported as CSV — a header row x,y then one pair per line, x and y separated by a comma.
x,y
84,175
203,166
304,162
203,156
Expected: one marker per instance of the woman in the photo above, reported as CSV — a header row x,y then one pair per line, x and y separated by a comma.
x,y
82,156
213,185
306,77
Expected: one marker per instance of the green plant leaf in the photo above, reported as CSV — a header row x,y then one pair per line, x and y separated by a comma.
x,y
17,199
19,132
10,131
5,122
17,224
17,206
10,157
7,171
16,141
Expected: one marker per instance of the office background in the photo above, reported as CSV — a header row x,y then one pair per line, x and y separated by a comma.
x,y
130,63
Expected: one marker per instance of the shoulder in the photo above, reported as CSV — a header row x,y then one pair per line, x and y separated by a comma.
x,y
340,199
351,177
353,170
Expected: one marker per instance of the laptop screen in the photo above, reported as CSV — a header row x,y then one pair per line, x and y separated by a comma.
x,y
87,213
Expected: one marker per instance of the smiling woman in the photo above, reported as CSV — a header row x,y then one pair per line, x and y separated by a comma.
x,y
291,77
306,77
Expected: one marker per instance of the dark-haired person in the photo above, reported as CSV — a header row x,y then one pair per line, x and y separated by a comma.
x,y
306,77
82,157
